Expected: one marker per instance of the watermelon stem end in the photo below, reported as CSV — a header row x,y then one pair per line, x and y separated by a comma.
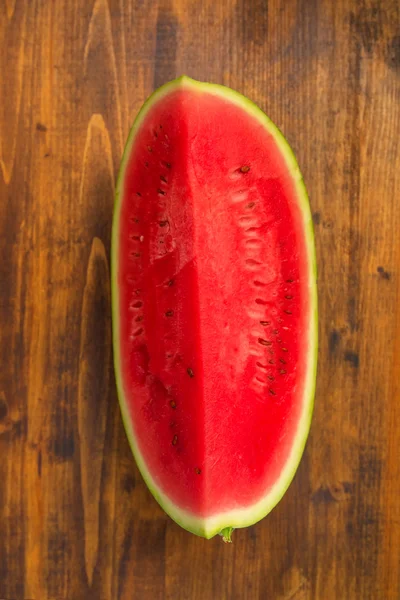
x,y
226,534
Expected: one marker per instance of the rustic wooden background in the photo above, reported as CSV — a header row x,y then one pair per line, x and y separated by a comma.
x,y
76,521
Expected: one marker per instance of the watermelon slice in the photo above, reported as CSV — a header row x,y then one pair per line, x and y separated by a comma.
x,y
214,306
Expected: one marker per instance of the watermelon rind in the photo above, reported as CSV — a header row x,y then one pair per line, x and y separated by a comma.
x,y
225,521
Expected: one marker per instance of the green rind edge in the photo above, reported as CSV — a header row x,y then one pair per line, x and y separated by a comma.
x,y
234,519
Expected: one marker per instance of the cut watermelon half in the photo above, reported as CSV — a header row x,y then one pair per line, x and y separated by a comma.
x,y
214,306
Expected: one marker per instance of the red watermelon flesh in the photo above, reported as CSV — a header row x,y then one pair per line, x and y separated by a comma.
x,y
214,306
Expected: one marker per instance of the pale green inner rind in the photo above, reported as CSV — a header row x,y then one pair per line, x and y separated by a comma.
x,y
240,517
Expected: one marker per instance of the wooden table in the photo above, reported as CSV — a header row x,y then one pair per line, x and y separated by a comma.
x,y
76,521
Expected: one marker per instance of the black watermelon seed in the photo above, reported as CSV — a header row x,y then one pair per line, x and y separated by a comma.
x,y
190,372
175,440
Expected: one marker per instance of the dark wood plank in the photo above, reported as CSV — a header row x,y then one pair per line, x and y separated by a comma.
x,y
76,520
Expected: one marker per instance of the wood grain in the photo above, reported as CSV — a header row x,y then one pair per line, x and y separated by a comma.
x,y
76,521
